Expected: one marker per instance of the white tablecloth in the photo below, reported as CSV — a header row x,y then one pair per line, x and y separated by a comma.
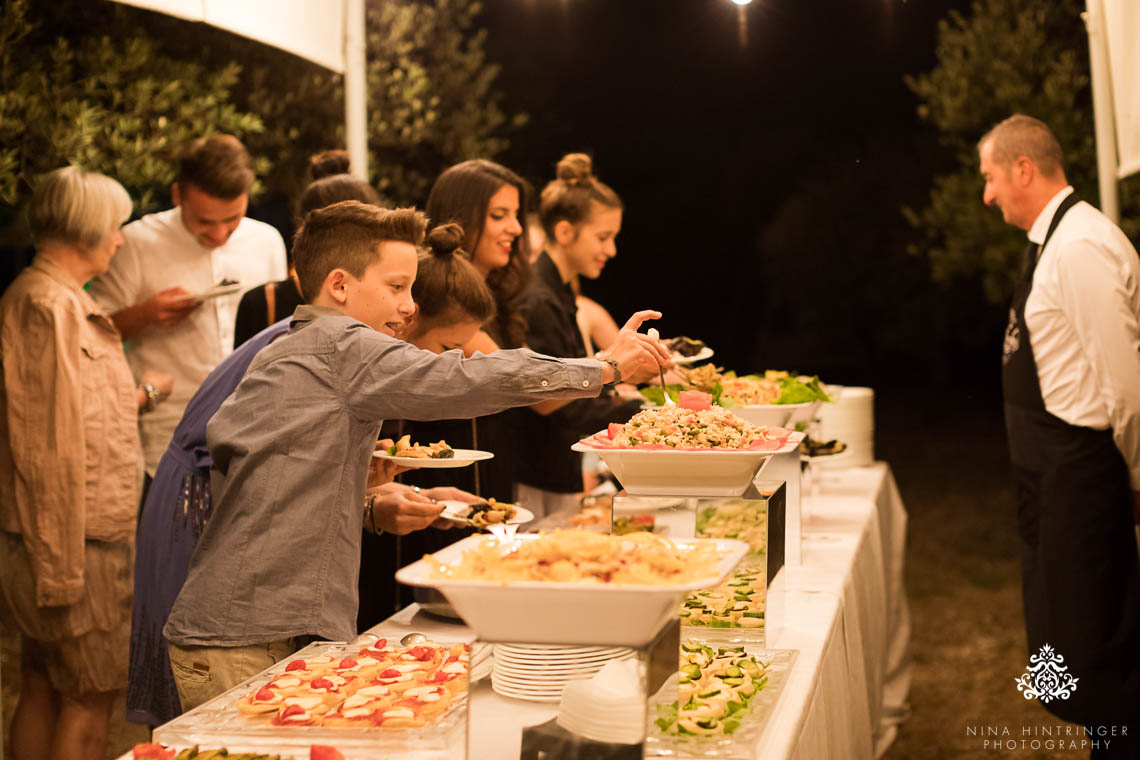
x,y
846,614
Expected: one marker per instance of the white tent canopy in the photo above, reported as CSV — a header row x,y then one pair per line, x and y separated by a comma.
x,y
1113,27
327,32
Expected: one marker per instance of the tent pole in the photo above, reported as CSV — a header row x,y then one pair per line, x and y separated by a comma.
x,y
1103,115
355,90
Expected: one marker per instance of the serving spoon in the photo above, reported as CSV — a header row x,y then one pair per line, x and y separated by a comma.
x,y
652,333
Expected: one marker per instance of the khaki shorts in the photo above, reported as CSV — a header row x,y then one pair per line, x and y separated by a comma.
x,y
202,673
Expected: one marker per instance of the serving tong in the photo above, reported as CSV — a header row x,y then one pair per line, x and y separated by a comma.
x,y
652,333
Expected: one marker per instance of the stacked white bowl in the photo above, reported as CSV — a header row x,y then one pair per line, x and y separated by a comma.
x,y
851,419
610,707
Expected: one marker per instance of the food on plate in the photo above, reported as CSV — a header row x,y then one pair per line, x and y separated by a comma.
x,y
773,387
159,752
684,346
813,448
694,425
743,519
714,692
578,556
738,602
391,687
489,512
632,524
405,448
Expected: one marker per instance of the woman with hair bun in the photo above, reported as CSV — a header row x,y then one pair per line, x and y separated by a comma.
x,y
453,301
274,301
581,218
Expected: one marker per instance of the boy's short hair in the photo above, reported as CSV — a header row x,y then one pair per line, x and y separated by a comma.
x,y
219,166
77,207
347,235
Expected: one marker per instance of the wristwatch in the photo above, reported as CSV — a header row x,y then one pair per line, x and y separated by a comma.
x,y
617,371
151,397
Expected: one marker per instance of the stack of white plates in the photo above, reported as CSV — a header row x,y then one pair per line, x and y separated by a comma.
x,y
539,672
609,707
851,419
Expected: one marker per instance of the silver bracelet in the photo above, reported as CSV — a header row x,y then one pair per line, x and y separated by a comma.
x,y
370,513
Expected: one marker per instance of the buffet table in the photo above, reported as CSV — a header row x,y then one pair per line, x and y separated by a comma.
x,y
846,614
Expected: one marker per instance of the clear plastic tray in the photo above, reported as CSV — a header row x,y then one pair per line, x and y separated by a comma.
x,y
219,723
741,743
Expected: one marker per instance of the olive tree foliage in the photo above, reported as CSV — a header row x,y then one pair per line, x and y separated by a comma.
x,y
107,103
431,100
1006,56
120,90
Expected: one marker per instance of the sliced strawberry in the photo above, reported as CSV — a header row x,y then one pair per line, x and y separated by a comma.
x,y
152,752
423,654
321,683
264,694
391,673
296,665
347,662
292,710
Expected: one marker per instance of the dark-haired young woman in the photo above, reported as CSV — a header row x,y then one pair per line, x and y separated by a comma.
x,y
487,200
581,218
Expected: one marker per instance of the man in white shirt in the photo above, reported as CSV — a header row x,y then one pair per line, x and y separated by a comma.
x,y
157,287
1071,382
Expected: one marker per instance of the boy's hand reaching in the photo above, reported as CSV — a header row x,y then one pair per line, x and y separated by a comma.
x,y
637,355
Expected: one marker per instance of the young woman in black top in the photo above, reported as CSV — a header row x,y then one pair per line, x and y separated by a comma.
x,y
581,217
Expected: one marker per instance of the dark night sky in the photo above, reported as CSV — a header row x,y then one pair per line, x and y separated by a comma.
x,y
703,139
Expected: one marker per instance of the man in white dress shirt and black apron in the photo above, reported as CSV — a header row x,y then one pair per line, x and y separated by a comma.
x,y
1071,382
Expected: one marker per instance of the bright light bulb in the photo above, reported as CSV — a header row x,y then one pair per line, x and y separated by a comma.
x,y
742,2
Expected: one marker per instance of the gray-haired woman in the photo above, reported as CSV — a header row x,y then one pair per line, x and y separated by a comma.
x,y
69,471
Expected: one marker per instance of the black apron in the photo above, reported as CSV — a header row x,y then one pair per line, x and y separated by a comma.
x,y
1080,571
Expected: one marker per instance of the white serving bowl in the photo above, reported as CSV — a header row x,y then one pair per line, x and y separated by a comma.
x,y
668,472
539,612
773,415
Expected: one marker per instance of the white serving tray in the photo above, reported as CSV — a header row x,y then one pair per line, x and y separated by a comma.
x,y
541,612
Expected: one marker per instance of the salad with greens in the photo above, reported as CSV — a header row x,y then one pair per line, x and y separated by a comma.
x,y
729,389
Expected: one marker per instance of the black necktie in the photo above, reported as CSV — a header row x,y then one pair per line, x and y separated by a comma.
x,y
1029,260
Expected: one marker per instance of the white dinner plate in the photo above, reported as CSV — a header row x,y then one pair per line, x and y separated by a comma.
x,y
553,650
214,292
462,458
451,508
539,661
700,356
